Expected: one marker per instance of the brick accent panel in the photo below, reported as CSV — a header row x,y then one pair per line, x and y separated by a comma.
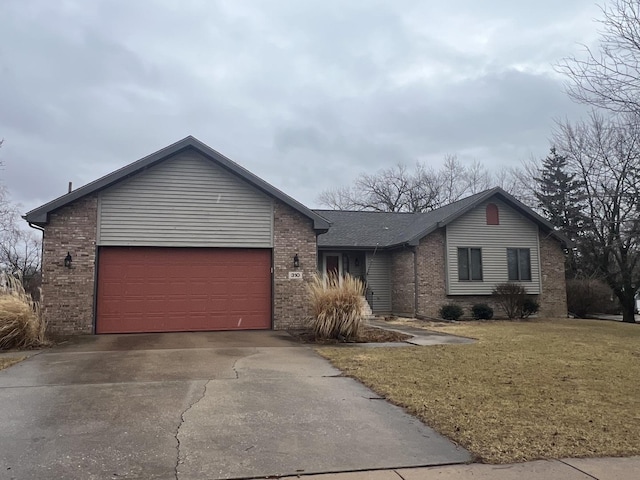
x,y
431,274
402,282
67,294
553,301
292,233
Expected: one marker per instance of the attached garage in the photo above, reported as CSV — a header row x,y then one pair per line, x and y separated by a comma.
x,y
181,240
154,289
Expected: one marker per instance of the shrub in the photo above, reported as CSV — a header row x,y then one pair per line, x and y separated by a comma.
x,y
588,295
451,311
510,296
482,311
336,303
21,324
529,307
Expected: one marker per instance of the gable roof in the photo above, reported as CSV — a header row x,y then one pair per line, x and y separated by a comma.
x,y
40,216
363,229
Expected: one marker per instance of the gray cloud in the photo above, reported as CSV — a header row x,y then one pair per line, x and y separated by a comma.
x,y
305,94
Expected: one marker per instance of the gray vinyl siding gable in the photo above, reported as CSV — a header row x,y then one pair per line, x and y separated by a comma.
x,y
185,201
379,280
471,230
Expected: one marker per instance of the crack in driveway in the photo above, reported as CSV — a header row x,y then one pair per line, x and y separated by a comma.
x,y
179,460
177,434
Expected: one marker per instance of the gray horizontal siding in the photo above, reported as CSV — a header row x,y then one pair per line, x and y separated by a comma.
x,y
471,230
186,201
379,280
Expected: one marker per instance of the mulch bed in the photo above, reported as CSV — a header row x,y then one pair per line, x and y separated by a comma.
x,y
366,335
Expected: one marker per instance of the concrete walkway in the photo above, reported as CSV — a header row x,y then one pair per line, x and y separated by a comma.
x,y
420,335
566,469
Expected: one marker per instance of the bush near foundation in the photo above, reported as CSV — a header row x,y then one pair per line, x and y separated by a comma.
x,y
529,307
510,296
451,311
482,311
336,304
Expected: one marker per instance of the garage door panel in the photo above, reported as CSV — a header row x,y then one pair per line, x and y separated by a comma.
x,y
143,289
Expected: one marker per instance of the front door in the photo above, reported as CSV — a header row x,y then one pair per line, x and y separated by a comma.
x,y
332,264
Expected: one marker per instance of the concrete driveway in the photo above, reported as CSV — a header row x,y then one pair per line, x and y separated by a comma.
x,y
195,406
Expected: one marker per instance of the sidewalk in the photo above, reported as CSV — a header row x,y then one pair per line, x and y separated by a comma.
x,y
421,336
567,469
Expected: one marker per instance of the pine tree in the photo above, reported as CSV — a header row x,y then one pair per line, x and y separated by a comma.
x,y
561,198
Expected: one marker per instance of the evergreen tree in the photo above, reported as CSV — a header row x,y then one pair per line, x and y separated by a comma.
x,y
561,198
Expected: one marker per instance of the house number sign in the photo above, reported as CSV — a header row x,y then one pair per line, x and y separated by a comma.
x,y
295,275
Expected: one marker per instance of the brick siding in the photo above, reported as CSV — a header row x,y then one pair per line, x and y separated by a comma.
x,y
431,274
402,282
292,233
67,294
553,301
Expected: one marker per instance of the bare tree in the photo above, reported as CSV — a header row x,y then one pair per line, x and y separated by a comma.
x,y
518,181
477,178
385,191
399,189
338,198
424,194
20,250
394,189
609,77
453,180
604,154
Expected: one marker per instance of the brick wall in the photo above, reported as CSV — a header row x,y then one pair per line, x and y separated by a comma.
x,y
431,274
402,282
67,294
553,301
292,233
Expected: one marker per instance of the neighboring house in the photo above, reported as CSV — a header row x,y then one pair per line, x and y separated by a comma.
x,y
186,240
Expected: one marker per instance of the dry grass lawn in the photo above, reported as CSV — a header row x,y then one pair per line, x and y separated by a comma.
x,y
526,390
6,362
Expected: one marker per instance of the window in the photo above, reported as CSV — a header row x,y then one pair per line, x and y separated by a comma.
x,y
519,264
493,216
469,264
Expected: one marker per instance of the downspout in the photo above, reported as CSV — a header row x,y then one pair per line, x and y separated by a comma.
x,y
416,288
36,227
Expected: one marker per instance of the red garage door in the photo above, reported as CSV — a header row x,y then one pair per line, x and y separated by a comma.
x,y
146,289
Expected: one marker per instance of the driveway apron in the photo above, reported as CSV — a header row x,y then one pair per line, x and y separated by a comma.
x,y
199,405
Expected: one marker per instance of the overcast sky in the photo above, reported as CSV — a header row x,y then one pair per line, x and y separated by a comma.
x,y
305,94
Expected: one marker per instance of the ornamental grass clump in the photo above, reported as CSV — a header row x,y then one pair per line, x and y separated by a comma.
x,y
336,304
21,323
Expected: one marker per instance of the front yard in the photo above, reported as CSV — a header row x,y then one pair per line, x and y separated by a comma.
x,y
526,390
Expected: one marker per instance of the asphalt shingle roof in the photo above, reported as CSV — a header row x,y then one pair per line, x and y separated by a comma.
x,y
362,229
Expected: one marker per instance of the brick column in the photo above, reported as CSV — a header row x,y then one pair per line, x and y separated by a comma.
x,y
292,234
67,294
